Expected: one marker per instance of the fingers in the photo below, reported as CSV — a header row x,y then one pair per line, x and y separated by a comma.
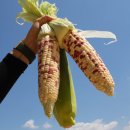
x,y
44,19
34,30
32,34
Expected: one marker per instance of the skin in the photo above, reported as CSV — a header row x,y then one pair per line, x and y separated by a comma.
x,y
31,38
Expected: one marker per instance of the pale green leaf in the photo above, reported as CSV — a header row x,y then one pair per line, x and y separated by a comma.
x,y
30,7
24,5
26,17
34,8
61,27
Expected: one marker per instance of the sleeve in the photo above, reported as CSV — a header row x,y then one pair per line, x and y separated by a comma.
x,y
10,70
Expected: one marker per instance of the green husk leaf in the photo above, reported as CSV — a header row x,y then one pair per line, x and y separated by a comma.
x,y
65,107
28,17
33,7
61,27
35,2
24,6
30,6
32,10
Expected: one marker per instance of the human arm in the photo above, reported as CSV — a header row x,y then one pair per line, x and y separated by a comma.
x,y
15,63
10,70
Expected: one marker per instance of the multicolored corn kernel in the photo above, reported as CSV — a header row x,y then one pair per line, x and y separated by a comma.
x,y
89,62
48,72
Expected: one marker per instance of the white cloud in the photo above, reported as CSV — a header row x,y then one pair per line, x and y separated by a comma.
x,y
30,124
95,125
127,127
47,126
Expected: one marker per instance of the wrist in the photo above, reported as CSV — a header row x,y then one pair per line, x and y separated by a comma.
x,y
22,51
20,56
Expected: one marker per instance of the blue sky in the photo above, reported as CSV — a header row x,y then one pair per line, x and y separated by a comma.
x,y
21,110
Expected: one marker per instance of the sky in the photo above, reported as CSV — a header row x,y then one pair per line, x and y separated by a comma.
x,y
21,109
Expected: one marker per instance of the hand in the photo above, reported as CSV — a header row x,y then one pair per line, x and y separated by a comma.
x,y
31,38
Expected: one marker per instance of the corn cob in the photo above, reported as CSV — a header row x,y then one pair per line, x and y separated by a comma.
x,y
65,106
48,72
89,62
